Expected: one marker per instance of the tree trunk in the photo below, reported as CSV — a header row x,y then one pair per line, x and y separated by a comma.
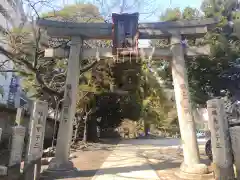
x,y
92,130
85,130
146,128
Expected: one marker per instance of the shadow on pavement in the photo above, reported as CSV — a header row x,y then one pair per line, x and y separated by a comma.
x,y
165,161
114,170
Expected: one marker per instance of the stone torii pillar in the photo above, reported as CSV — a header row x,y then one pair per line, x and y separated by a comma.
x,y
191,162
61,161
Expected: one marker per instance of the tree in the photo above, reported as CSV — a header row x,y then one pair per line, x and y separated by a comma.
x,y
95,82
204,73
27,49
224,42
158,106
5,64
45,78
171,15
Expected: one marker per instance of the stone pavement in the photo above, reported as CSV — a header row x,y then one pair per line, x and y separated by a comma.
x,y
142,159
167,160
126,163
146,159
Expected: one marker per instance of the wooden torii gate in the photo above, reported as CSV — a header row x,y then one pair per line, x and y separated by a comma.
x,y
78,32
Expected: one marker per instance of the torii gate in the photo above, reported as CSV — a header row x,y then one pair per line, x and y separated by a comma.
x,y
126,27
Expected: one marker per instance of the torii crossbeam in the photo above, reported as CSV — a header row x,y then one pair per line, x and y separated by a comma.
x,y
193,28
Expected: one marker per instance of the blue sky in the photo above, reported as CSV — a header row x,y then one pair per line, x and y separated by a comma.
x,y
161,4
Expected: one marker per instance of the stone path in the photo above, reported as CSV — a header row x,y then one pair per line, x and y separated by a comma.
x,y
129,160
125,163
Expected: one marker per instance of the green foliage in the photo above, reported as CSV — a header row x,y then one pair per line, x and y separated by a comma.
x,y
204,72
157,108
190,13
79,12
171,15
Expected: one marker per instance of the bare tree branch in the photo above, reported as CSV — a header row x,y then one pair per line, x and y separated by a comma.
x,y
88,67
30,67
9,70
3,63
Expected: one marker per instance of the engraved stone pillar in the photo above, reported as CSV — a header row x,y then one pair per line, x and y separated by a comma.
x,y
235,140
37,130
61,161
191,162
18,134
36,138
221,146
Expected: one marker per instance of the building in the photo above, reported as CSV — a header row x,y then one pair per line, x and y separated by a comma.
x,y
11,16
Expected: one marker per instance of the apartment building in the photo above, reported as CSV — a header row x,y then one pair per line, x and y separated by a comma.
x,y
11,16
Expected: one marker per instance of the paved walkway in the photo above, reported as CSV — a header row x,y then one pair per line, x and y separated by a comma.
x,y
131,160
126,163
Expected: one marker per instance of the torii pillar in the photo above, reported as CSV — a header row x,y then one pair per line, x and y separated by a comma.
x,y
191,162
61,161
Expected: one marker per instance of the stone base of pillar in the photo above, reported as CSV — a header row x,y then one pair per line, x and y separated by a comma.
x,y
189,176
3,170
194,169
197,171
59,170
224,173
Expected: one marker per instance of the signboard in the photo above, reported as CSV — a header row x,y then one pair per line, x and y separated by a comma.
x,y
17,145
13,88
37,130
125,31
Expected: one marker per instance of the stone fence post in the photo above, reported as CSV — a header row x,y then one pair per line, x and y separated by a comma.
x,y
235,139
17,144
3,169
220,138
